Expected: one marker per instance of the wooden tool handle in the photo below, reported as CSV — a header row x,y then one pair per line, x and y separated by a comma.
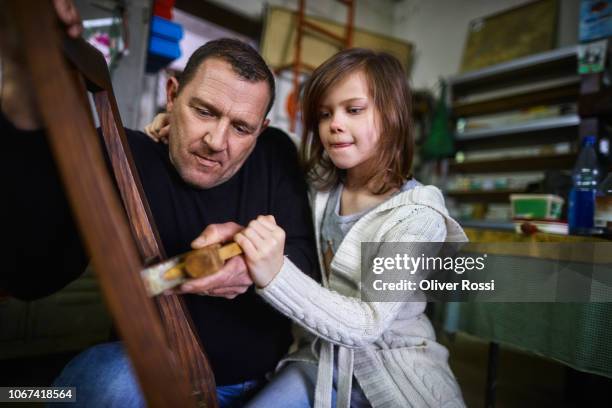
x,y
230,250
208,260
204,261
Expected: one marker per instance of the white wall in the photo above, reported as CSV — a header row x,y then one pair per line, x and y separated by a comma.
x,y
372,15
438,30
197,32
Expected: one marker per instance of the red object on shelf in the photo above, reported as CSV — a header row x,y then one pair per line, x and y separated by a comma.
x,y
163,8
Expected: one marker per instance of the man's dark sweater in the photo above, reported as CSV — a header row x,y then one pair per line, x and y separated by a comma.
x,y
244,337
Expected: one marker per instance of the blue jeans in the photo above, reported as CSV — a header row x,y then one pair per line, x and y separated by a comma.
x,y
103,377
292,387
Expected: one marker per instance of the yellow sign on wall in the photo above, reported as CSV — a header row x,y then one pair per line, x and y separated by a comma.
x,y
518,32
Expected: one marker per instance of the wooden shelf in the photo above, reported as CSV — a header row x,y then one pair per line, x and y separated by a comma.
x,y
557,62
543,136
545,79
489,196
562,94
531,126
559,161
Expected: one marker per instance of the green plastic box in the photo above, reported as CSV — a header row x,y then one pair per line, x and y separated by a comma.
x,y
536,206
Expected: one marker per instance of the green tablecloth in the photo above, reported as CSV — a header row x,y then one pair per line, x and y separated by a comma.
x,y
576,334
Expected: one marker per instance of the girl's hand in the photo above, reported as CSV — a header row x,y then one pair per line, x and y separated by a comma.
x,y
159,129
263,243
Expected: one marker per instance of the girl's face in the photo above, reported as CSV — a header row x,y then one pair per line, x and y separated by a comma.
x,y
348,121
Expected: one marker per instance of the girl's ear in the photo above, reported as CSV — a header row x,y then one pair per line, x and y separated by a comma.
x,y
172,86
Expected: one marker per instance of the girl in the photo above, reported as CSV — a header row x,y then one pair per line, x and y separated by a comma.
x,y
357,148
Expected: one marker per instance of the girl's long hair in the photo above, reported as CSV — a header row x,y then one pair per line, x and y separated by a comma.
x,y
388,87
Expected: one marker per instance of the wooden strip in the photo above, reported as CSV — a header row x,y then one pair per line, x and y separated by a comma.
x,y
566,93
177,322
75,145
543,162
98,213
323,31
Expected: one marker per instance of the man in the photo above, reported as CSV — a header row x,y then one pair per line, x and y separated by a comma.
x,y
222,168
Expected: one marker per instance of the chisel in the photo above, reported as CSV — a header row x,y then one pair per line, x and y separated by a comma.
x,y
193,264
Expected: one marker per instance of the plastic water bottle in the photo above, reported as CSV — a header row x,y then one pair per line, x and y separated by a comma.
x,y
582,196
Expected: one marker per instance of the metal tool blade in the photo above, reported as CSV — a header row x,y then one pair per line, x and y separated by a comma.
x,y
153,276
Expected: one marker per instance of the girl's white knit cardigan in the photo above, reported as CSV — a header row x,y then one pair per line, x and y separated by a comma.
x,y
390,347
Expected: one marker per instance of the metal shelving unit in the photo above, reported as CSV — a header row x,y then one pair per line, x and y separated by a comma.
x,y
543,62
545,79
489,196
566,121
531,163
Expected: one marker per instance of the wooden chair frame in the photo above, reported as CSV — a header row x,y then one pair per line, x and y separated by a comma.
x,y
167,357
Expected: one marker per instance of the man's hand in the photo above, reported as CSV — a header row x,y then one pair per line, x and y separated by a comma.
x,y
69,15
231,280
159,129
17,96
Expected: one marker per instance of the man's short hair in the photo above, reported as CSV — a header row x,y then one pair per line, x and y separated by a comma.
x,y
244,60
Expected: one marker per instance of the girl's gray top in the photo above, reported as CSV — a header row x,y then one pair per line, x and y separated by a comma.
x,y
335,226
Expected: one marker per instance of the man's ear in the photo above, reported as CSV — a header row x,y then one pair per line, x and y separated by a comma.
x,y
264,125
172,87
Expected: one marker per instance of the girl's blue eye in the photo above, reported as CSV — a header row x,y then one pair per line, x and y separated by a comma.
x,y
323,115
355,110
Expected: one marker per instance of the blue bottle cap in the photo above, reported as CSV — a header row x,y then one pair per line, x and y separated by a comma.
x,y
589,140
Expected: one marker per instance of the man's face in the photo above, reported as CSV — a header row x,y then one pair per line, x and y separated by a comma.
x,y
214,122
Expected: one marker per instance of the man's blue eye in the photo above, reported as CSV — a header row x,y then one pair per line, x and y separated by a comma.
x,y
203,112
241,130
